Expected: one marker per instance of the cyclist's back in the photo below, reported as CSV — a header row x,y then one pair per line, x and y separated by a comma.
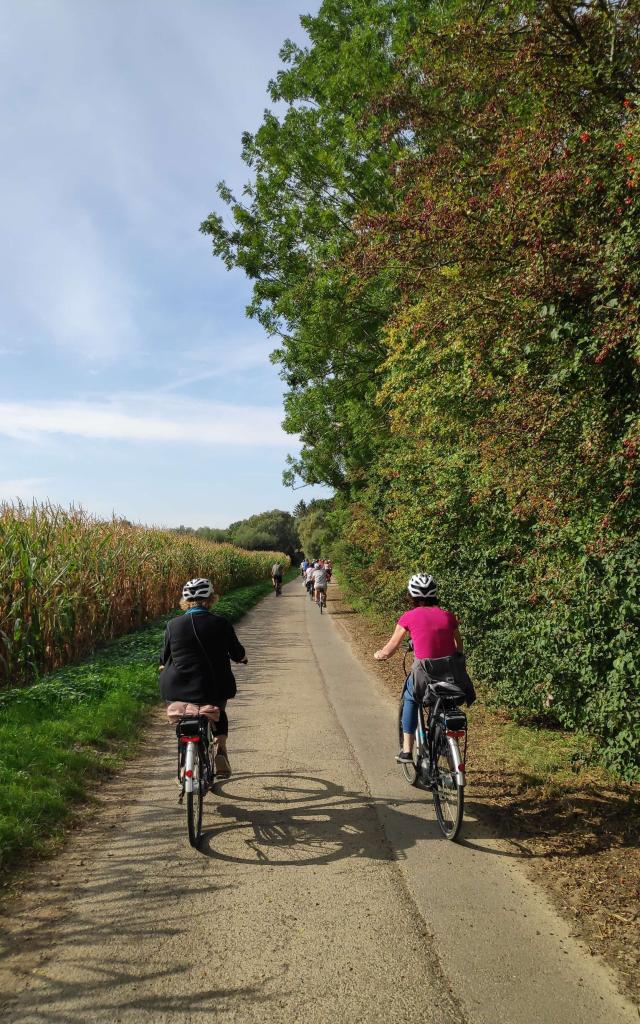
x,y
199,646
435,634
432,630
320,578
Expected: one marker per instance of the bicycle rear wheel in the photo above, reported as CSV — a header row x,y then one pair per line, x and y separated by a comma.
x,y
448,793
409,768
195,797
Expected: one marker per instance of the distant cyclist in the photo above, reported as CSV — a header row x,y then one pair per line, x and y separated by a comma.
x,y
196,661
304,565
319,581
308,578
276,576
434,633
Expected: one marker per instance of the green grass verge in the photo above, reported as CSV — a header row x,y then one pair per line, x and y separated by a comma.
x,y
549,755
58,736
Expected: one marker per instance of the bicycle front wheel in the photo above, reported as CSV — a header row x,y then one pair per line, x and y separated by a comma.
x,y
195,794
448,793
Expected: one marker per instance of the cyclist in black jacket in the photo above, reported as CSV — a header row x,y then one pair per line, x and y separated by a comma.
x,y
196,661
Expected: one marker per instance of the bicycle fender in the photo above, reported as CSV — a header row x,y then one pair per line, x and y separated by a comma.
x,y
188,767
456,757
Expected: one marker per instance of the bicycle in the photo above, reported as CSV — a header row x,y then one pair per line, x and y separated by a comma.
x,y
196,769
277,585
437,764
322,599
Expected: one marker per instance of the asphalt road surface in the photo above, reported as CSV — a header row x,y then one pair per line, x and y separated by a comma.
x,y
323,891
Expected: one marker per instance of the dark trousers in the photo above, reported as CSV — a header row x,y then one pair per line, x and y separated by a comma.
x,y
221,727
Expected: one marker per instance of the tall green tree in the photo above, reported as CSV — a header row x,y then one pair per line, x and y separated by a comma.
x,y
443,233
266,531
312,169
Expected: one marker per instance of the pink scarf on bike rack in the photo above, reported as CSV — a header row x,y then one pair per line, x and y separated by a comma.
x,y
178,709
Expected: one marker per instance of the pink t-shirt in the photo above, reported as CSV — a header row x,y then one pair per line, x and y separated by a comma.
x,y
431,630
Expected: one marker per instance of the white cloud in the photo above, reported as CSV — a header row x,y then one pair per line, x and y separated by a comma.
x,y
24,489
146,418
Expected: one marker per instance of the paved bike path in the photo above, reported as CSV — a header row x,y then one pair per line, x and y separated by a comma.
x,y
322,892
508,955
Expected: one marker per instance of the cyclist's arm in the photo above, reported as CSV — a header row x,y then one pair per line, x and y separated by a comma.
x,y
391,645
458,641
166,652
234,647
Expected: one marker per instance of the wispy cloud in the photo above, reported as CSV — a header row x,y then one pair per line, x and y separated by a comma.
x,y
111,155
143,418
235,358
23,489
120,332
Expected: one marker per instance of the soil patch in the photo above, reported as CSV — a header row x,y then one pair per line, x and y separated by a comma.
x,y
575,832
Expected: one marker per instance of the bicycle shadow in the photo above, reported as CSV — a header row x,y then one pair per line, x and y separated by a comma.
x,y
289,818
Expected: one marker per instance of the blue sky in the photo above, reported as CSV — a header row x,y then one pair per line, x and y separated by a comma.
x,y
130,379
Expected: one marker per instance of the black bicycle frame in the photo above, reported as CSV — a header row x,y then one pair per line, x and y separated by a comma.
x,y
436,714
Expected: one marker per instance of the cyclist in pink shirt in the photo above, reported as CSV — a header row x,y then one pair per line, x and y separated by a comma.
x,y
434,633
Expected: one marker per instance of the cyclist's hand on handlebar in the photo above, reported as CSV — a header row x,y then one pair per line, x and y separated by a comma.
x,y
379,656
245,661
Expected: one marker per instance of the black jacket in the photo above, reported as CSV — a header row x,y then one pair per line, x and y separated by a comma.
x,y
198,647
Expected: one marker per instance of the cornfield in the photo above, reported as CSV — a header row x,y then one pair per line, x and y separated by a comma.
x,y
69,582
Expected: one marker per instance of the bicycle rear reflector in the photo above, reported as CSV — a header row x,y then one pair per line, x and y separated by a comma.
x,y
190,739
456,733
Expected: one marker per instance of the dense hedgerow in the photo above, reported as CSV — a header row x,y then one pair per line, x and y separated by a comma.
x,y
69,582
444,230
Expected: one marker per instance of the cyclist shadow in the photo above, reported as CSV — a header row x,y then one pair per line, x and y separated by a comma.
x,y
287,818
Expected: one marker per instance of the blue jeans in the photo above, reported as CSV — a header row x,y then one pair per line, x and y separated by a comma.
x,y
409,707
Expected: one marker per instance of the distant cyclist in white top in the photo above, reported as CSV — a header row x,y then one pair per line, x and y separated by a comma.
x,y
320,580
308,577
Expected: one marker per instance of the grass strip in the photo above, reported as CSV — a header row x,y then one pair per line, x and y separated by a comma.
x,y
69,729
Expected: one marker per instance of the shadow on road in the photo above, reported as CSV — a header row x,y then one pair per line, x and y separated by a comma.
x,y
569,819
288,818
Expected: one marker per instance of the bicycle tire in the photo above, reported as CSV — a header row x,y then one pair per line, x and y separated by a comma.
x,y
195,801
448,794
409,769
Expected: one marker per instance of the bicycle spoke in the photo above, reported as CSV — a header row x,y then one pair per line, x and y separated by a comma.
x,y
195,800
448,794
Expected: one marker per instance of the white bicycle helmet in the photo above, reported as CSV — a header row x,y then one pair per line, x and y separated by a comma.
x,y
422,585
197,589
